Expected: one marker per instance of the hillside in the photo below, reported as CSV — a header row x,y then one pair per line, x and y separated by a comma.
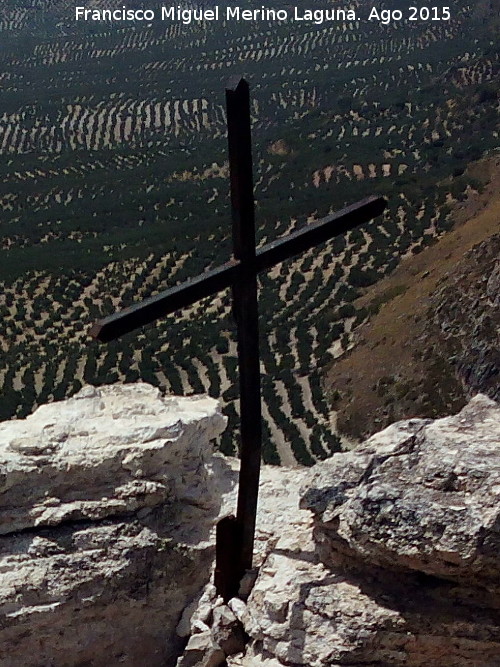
x,y
113,186
432,339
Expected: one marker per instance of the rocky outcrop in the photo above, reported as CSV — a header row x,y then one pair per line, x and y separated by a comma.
x,y
215,630
107,502
108,506
385,555
400,562
421,495
465,312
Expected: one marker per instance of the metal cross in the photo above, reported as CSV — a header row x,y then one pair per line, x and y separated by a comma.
x,y
235,535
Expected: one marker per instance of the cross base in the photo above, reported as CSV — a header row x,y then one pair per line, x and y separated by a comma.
x,y
228,567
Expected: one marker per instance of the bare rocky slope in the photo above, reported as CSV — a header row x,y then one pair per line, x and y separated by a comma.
x,y
432,339
465,314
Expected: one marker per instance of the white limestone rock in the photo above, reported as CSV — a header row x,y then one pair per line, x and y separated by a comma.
x,y
421,495
202,651
373,587
278,521
106,452
227,631
101,574
107,507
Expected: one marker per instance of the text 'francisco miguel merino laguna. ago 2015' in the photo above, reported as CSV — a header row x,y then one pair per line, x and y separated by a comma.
x,y
189,15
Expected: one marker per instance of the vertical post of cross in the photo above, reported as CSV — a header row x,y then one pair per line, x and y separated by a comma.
x,y
245,307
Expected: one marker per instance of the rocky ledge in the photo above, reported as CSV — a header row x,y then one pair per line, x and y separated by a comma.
x,y
385,555
107,501
401,562
108,507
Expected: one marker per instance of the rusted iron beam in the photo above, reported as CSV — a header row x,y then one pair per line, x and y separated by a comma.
x,y
319,231
166,302
227,573
245,309
215,280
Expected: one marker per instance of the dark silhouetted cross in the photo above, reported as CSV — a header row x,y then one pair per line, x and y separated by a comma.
x,y
235,535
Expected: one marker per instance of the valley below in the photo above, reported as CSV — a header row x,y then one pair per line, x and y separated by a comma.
x,y
114,186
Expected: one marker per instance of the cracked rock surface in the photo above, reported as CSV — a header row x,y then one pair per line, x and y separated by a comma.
x,y
384,555
421,495
107,504
396,557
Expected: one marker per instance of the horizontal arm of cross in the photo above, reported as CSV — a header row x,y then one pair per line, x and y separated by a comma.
x,y
319,231
215,280
166,302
